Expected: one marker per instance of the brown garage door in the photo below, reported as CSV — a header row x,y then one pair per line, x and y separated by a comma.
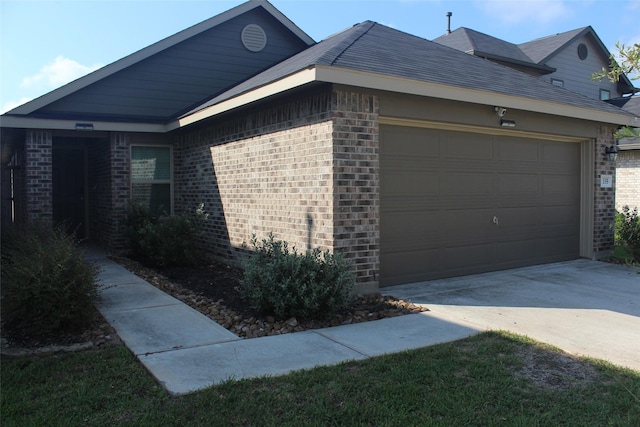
x,y
456,203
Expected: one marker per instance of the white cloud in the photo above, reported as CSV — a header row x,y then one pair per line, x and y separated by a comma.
x,y
518,11
57,73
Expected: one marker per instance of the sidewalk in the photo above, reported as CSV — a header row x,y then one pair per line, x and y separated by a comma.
x,y
186,351
584,307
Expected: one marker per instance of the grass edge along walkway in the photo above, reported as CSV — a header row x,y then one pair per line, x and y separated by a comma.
x,y
494,378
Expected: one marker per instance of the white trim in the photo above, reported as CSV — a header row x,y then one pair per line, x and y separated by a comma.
x,y
295,80
368,80
148,51
455,93
35,123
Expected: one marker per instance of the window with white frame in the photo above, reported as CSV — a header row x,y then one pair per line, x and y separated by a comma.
x,y
151,178
604,94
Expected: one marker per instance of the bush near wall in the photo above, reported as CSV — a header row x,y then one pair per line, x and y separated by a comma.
x,y
168,240
284,283
46,283
627,231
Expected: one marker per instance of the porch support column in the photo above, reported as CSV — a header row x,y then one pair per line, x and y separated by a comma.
x,y
38,167
604,195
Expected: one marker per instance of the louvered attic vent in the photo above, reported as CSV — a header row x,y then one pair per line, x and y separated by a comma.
x,y
254,38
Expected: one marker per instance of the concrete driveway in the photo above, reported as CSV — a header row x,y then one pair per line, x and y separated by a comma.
x,y
584,307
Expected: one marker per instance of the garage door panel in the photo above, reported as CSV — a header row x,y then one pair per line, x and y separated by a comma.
x,y
412,183
560,184
518,184
411,266
527,151
467,183
478,147
438,204
468,256
418,226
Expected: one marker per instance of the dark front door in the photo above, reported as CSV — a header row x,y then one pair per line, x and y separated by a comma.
x,y
69,189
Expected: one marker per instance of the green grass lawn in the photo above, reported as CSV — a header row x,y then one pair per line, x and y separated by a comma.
x,y
489,379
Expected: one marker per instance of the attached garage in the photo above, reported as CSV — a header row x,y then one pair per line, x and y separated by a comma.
x,y
456,202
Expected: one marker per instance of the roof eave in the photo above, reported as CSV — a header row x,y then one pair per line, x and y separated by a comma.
x,y
19,122
540,67
336,75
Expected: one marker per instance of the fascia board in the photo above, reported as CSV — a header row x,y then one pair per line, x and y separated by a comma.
x,y
35,123
355,78
397,84
151,50
286,22
292,81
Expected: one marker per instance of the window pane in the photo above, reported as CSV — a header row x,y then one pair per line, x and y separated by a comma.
x,y
150,163
156,197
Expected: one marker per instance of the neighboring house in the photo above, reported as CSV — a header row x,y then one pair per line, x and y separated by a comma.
x,y
628,163
566,59
413,159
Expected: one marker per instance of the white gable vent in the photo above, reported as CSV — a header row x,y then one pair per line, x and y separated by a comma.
x,y
254,38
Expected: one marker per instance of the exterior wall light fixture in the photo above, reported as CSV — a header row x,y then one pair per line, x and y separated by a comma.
x,y
611,153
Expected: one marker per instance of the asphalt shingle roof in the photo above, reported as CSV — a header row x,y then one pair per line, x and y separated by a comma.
x,y
375,48
540,49
471,41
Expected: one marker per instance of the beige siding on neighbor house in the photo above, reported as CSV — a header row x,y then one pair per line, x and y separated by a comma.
x,y
628,179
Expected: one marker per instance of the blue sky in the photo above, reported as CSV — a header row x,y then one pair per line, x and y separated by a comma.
x,y
47,43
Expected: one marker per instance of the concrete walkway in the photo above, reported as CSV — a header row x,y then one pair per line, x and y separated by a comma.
x,y
186,351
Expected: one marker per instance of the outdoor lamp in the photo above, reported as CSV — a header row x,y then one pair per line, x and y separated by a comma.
x,y
612,153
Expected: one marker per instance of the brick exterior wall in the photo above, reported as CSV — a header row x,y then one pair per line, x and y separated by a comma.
x,y
266,171
305,170
604,198
357,183
38,175
109,189
628,179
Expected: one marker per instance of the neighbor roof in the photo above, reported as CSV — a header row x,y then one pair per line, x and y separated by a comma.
x,y
534,54
375,56
486,46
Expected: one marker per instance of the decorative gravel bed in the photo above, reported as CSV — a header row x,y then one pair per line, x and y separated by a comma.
x,y
211,291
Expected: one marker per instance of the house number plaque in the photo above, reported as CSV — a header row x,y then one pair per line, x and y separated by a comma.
x,y
606,181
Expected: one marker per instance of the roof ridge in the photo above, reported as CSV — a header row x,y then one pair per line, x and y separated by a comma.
x,y
576,30
341,48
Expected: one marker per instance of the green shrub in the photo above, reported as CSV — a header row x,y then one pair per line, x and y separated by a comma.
x,y
46,283
169,240
627,231
283,283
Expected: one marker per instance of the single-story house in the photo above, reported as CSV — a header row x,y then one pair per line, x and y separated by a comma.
x,y
415,160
